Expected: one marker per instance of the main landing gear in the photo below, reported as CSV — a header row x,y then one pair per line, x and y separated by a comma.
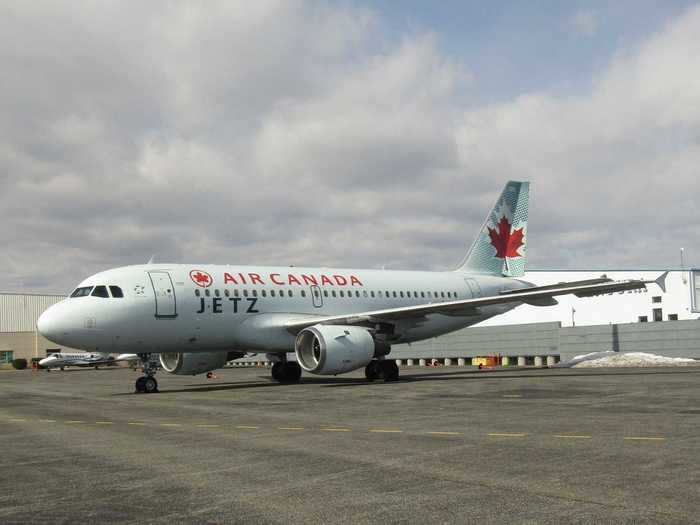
x,y
286,371
385,369
147,384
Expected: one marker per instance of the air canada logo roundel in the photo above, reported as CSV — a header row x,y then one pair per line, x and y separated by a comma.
x,y
201,278
505,239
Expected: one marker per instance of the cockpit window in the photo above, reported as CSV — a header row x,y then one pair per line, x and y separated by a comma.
x,y
100,291
116,291
82,292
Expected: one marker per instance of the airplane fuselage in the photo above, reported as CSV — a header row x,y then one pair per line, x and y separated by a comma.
x,y
204,308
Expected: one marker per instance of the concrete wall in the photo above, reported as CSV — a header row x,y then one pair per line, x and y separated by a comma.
x,y
27,345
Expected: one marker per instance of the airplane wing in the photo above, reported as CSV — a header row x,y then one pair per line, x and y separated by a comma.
x,y
467,307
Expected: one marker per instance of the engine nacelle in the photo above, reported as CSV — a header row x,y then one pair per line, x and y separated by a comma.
x,y
335,349
193,363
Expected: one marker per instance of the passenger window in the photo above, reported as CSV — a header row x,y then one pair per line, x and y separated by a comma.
x,y
316,294
364,292
303,293
100,291
290,293
372,294
264,293
442,294
245,293
454,294
342,294
235,292
196,292
226,292
272,293
207,292
255,293
116,292
401,294
333,293
394,294
325,293
357,293
422,295
216,293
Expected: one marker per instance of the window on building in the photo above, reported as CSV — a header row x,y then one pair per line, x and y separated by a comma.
x,y
656,299
116,292
6,356
658,315
643,319
673,317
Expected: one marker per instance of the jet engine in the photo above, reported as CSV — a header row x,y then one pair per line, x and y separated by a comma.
x,y
336,349
193,363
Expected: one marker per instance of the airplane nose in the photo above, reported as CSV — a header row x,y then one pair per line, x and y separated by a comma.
x,y
48,324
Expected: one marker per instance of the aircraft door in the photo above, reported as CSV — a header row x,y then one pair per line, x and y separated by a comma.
x,y
474,287
165,294
316,296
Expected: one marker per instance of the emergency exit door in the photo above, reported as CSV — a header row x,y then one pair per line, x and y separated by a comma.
x,y
165,294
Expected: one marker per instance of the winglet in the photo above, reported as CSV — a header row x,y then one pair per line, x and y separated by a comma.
x,y
661,281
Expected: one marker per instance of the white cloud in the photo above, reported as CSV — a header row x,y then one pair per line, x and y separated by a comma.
x,y
295,133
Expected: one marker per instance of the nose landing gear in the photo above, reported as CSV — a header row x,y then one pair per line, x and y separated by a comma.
x,y
147,384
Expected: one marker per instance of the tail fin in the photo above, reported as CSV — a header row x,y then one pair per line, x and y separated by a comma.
x,y
500,247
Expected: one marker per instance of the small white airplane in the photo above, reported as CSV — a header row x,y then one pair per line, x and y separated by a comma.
x,y
197,317
82,359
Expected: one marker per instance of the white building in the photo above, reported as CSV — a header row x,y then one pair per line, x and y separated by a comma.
x,y
680,301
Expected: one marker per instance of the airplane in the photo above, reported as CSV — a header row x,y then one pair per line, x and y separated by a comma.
x,y
197,317
82,359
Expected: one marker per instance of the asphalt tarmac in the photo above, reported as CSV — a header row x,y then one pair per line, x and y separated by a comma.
x,y
449,445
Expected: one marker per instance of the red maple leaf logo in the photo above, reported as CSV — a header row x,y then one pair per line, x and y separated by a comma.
x,y
505,241
200,278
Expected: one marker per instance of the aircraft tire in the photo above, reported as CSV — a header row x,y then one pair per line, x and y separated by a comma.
x,y
289,372
150,385
372,371
141,385
389,371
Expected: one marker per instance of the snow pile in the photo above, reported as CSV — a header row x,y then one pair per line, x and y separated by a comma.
x,y
625,359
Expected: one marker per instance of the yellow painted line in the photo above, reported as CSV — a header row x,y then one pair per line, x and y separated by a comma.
x,y
247,427
444,433
47,421
384,431
290,428
208,426
136,423
104,422
170,425
335,429
17,420
74,422
571,436
641,438
504,434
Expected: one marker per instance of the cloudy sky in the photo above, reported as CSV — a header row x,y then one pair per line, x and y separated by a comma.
x,y
360,133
